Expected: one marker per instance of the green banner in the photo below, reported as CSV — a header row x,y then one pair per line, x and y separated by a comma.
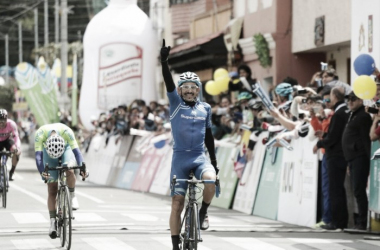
x,y
28,80
374,187
227,175
49,93
266,203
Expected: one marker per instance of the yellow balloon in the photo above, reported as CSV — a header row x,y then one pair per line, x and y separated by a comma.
x,y
211,88
222,83
364,87
220,73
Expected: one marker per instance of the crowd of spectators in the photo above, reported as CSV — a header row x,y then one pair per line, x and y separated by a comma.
x,y
325,109
138,115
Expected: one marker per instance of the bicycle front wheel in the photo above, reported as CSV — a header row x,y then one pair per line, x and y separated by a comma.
x,y
193,242
4,185
66,219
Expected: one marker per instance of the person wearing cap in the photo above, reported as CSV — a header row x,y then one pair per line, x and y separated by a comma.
x,y
332,143
326,115
190,120
356,145
284,92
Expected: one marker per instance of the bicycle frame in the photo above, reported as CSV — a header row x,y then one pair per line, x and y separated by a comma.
x,y
64,209
4,175
192,209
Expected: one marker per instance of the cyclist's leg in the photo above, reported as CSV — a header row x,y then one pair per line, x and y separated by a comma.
x,y
68,158
205,171
12,147
3,144
52,195
181,171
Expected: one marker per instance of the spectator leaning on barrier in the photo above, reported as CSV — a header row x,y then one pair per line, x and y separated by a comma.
x,y
191,130
357,150
243,100
121,122
336,162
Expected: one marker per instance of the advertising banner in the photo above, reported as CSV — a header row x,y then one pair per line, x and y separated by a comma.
x,y
365,35
161,181
228,178
118,67
298,185
150,162
374,183
28,79
266,204
247,186
49,93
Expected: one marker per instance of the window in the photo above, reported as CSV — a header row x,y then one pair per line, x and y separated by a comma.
x,y
173,2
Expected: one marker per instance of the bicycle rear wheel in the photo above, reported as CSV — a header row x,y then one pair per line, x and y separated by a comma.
x,y
193,243
4,185
66,219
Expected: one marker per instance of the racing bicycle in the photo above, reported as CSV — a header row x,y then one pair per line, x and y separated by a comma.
x,y
64,209
4,176
190,233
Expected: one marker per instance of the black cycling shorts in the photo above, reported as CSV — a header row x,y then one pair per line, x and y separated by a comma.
x,y
7,144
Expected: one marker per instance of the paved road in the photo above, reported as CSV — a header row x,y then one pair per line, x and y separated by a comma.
x,y
116,219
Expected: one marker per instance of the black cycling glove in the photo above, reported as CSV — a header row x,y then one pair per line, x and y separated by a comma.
x,y
164,51
215,165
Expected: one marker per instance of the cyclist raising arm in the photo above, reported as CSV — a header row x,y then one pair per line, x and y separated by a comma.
x,y
191,128
9,139
54,141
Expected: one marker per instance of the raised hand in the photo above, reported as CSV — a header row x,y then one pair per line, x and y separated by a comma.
x,y
164,51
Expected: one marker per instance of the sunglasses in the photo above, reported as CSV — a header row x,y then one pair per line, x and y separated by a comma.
x,y
352,99
188,87
327,100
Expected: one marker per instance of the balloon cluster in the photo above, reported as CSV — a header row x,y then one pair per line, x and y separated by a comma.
x,y
364,86
219,84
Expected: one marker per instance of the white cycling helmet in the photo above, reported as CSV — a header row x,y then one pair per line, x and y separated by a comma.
x,y
55,146
188,77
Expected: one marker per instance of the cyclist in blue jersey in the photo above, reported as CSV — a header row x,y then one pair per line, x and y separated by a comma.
x,y
191,128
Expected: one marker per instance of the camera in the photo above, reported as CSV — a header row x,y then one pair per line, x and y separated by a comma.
x,y
373,110
302,91
323,66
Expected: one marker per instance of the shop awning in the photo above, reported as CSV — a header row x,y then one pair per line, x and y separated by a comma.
x,y
198,54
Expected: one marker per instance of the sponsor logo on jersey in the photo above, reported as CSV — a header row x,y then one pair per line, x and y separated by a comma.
x,y
193,117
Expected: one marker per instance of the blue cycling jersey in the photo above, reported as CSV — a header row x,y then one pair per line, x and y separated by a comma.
x,y
188,123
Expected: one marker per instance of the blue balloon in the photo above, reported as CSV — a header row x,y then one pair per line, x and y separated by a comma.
x,y
364,64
